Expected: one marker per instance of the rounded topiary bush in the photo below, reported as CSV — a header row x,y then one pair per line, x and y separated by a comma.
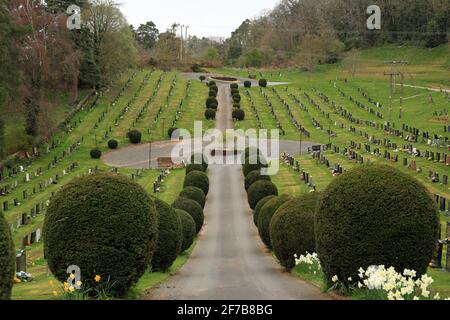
x,y
172,133
188,229
262,83
210,114
254,176
201,159
248,84
197,179
194,167
375,215
113,144
238,114
265,217
292,229
259,190
259,206
117,222
195,194
237,98
96,153
253,163
234,86
212,94
170,237
193,208
202,78
234,91
135,136
7,260
236,105
212,84
211,103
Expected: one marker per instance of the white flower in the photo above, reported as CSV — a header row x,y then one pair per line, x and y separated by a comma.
x,y
416,298
350,279
437,296
360,285
335,279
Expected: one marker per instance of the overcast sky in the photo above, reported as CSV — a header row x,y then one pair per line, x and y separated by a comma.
x,y
204,17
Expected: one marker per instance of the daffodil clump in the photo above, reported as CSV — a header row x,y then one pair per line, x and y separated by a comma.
x,y
102,290
378,282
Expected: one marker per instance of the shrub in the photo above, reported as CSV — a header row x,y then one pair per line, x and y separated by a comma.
x,y
7,260
135,136
201,159
234,92
170,236
234,86
292,229
262,83
212,94
375,215
171,132
265,217
188,229
211,101
237,98
248,84
197,179
96,153
236,105
113,144
214,106
238,115
260,190
117,221
253,163
259,206
214,88
194,167
254,176
210,114
195,194
202,78
193,208
212,84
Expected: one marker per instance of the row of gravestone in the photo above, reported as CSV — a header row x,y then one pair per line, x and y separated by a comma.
x,y
166,105
21,255
295,165
157,185
254,109
146,105
179,110
272,111
437,261
359,104
42,186
369,98
321,159
294,121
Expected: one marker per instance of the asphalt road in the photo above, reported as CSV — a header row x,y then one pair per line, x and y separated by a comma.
x,y
229,261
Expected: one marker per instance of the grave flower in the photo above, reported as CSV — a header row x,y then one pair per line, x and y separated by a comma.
x,y
97,278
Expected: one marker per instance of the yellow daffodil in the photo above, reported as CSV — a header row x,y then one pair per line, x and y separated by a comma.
x,y
72,276
97,278
79,283
71,289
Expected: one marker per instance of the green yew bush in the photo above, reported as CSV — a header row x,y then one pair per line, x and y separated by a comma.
x,y
375,215
210,114
195,194
200,158
194,167
104,223
254,176
134,136
96,153
265,217
259,206
248,84
234,86
238,114
197,179
170,237
188,229
212,103
193,208
7,260
292,229
113,144
262,83
260,190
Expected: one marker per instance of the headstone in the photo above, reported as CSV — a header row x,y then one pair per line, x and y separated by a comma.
x,y
21,261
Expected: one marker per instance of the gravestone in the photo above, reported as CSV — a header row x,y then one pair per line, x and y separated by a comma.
x,y
21,261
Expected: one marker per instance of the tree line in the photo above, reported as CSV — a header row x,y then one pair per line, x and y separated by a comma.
x,y
319,31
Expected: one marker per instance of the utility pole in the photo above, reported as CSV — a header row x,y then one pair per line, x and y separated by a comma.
x,y
181,44
393,73
402,77
186,39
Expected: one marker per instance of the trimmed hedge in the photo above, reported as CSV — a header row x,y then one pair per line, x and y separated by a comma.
x,y
96,153
238,114
194,167
259,190
200,156
375,215
188,229
197,179
237,98
292,229
193,208
265,217
254,176
113,144
253,163
262,83
234,86
117,221
195,194
7,260
210,114
170,237
212,103
258,208
134,136
248,84
236,105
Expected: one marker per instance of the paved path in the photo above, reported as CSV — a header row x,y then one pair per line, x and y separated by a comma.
x,y
229,261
